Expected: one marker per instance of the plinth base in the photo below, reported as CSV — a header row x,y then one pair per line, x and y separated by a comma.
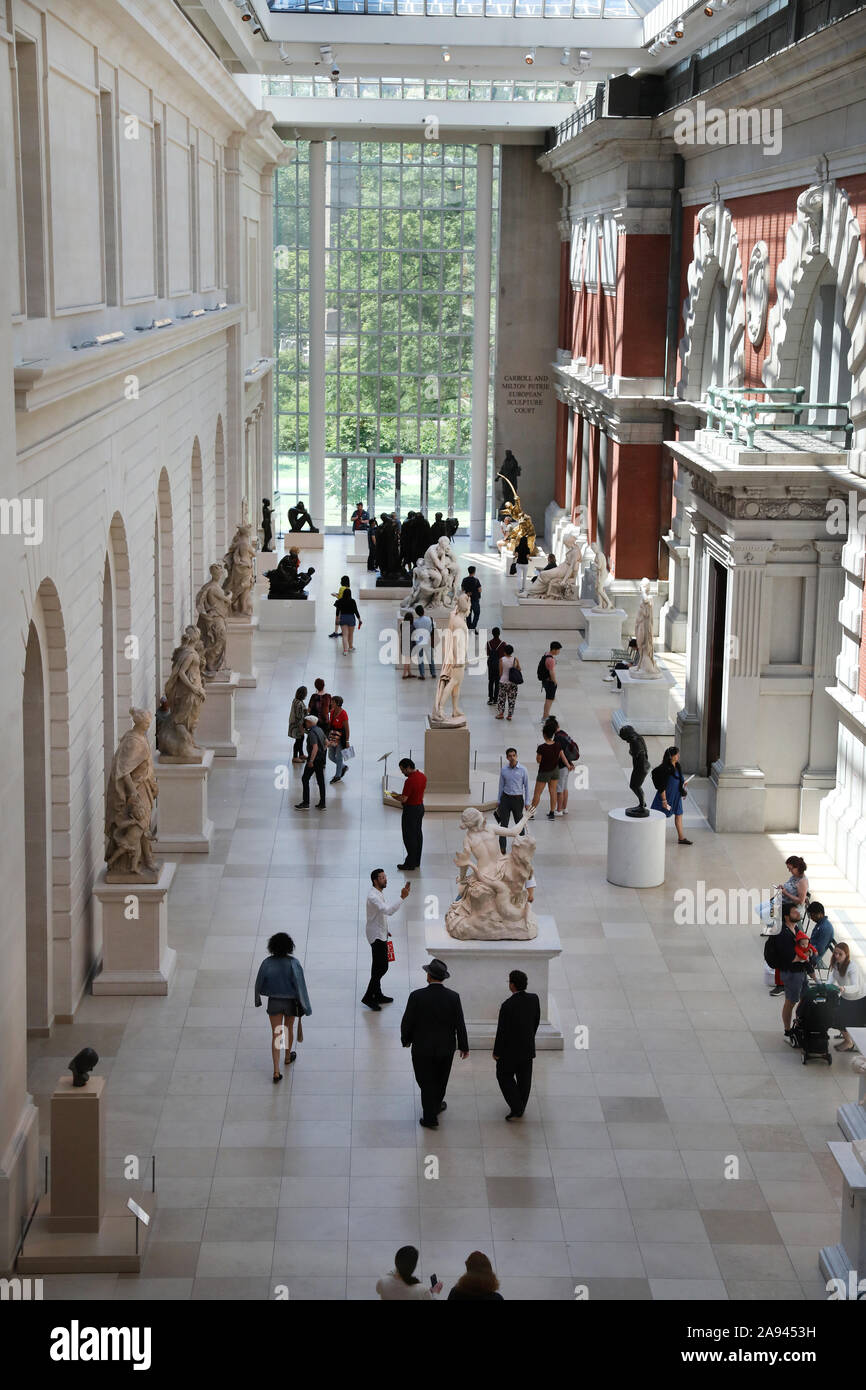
x,y
482,793
636,849
391,591
183,825
110,1250
479,973
645,704
239,649
216,723
304,540
286,614
548,614
603,633
135,956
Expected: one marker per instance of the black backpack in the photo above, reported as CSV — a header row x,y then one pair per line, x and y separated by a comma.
x,y
772,955
568,745
542,671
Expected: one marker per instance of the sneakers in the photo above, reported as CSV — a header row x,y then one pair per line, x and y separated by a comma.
x,y
780,989
551,815
333,780
302,805
320,805
333,634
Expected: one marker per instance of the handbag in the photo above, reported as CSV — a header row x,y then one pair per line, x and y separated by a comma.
x,y
515,675
348,753
513,569
391,956
300,1033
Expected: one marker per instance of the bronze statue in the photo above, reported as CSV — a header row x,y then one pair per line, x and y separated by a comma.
x,y
267,530
287,581
640,766
518,522
299,518
82,1065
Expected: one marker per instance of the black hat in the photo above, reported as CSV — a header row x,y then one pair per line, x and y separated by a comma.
x,y
437,969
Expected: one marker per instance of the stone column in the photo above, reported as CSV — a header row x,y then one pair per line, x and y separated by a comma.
x,y
688,729
316,500
235,457
481,343
737,790
267,476
673,619
819,775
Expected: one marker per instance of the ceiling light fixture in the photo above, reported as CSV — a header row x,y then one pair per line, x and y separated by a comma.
x,y
446,54
257,28
565,60
708,11
285,54
679,29
246,14
529,57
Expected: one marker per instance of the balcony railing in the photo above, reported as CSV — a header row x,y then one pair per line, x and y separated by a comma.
x,y
743,411
579,119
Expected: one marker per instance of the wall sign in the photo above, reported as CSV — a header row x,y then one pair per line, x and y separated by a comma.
x,y
525,392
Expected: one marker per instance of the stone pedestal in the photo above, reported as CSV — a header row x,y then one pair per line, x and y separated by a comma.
x,y
286,614
360,544
182,822
452,785
644,704
479,974
636,849
216,723
603,633
547,614
847,1260
136,958
77,1155
239,649
391,591
851,1117
304,540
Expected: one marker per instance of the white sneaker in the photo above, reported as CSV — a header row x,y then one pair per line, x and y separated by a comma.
x,y
558,813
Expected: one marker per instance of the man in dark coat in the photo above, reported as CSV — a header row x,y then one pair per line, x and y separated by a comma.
x,y
433,1027
514,1044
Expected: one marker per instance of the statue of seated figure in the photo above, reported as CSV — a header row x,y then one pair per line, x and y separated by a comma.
x,y
299,518
287,581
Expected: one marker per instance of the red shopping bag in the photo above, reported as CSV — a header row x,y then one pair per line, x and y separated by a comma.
x,y
390,950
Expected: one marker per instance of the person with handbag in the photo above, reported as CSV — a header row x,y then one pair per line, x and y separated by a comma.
x,y
281,979
521,563
412,799
379,936
296,723
670,786
338,737
495,648
510,677
347,616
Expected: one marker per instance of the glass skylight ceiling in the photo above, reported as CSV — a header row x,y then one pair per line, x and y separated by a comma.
x,y
427,89
493,9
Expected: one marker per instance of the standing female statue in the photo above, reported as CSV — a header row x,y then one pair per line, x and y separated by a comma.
x,y
213,607
239,579
129,801
646,669
454,647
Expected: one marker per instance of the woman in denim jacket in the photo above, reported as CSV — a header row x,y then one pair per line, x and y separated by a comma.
x,y
281,978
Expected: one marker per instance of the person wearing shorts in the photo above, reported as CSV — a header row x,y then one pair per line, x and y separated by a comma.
x,y
550,684
549,757
792,970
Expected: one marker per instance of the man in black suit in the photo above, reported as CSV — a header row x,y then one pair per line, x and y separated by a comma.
x,y
433,1027
514,1044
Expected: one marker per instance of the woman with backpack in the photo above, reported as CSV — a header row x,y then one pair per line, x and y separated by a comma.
x,y
296,723
572,753
670,788
550,759
510,677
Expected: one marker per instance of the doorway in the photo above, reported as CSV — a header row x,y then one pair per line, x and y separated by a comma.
x,y
716,647
37,862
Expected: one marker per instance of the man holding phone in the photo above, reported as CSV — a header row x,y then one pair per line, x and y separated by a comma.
x,y
378,932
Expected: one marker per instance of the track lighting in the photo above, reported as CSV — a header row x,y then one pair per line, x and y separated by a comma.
x,y
585,55
529,57
246,14
285,54
257,28
679,29
708,11
565,60
446,54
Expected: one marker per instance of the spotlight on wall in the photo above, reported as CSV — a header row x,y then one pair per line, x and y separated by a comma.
x,y
246,14
446,54
529,57
565,59
257,28
708,11
585,55
285,54
679,29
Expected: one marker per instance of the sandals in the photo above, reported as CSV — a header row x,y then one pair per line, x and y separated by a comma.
x,y
840,1047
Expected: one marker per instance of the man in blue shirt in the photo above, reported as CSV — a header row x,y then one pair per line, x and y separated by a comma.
x,y
822,931
513,792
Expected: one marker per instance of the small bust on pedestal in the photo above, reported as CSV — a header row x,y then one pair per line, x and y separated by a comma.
x,y
640,766
82,1065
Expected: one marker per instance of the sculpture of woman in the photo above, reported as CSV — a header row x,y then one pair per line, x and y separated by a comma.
x,y
455,641
646,669
239,580
558,582
493,904
129,801
434,579
213,607
185,694
602,579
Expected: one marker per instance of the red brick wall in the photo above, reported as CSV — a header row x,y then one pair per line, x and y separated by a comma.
x,y
634,471
641,305
561,451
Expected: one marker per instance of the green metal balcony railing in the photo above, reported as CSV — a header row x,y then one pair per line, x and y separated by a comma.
x,y
743,411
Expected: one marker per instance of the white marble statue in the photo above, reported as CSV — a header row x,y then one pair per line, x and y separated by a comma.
x,y
130,797
602,579
213,607
240,576
646,669
455,644
185,694
559,582
434,578
493,904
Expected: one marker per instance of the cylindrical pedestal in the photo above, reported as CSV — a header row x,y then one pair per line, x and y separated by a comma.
x,y
77,1155
636,849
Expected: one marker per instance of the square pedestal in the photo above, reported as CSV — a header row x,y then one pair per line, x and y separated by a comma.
x,y
182,822
479,974
536,561
136,958
286,614
77,1155
110,1250
216,723
644,704
360,544
636,849
239,649
851,1117
391,591
847,1260
304,540
603,633
446,760
548,614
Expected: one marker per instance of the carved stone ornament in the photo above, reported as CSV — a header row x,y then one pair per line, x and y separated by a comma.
x,y
752,508
757,292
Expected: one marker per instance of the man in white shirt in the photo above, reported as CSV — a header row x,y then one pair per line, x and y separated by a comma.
x,y
378,912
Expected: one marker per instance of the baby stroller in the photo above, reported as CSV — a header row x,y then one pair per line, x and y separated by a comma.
x,y
816,1014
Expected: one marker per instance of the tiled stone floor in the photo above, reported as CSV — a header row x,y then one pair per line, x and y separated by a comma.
x,y
616,1177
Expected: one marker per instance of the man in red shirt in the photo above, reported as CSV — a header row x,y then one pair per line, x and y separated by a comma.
x,y
412,797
